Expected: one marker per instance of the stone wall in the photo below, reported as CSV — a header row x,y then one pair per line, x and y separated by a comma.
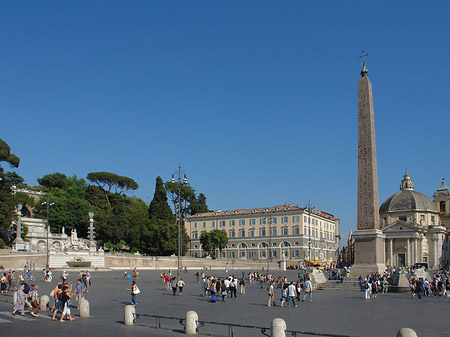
x,y
19,260
153,262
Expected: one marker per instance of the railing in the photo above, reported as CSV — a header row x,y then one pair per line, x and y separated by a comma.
x,y
232,327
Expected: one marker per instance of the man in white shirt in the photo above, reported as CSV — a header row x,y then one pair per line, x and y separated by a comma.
x,y
292,293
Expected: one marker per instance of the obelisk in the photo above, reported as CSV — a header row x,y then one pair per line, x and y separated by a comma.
x,y
369,240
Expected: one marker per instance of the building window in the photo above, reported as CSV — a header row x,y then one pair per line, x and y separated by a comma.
x,y
251,232
262,254
262,221
273,253
232,223
262,232
222,223
223,255
273,221
242,254
232,255
296,219
422,217
195,235
328,236
195,225
251,255
317,233
305,231
295,230
213,224
252,222
402,218
284,230
304,218
242,233
204,224
296,253
321,235
442,206
273,232
242,222
284,219
231,233
432,219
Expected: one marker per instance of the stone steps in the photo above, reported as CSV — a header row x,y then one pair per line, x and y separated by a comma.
x,y
347,285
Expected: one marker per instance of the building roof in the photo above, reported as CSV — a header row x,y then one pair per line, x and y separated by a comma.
x,y
264,210
407,199
443,189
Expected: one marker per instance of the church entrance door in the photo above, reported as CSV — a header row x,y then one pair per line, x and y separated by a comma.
x,y
401,260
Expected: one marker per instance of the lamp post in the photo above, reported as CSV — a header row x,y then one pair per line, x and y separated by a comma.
x,y
269,250
48,209
92,246
309,208
180,182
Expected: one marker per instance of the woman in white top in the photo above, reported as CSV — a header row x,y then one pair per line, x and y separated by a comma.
x,y
181,284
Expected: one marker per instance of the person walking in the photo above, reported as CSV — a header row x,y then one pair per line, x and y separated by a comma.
x,y
173,284
134,291
292,293
35,301
64,298
20,301
270,295
308,289
79,290
242,285
180,285
366,288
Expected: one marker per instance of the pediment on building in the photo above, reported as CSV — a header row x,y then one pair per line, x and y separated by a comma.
x,y
400,226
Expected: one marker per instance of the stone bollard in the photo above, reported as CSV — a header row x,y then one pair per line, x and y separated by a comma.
x,y
44,302
130,314
85,311
278,328
191,323
14,298
406,332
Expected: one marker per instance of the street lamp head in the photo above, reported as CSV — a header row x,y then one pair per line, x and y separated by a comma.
x,y
185,179
173,178
91,215
19,207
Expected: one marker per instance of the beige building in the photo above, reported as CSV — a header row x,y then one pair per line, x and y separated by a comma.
x,y
416,228
287,230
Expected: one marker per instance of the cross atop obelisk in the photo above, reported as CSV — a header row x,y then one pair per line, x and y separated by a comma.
x,y
364,70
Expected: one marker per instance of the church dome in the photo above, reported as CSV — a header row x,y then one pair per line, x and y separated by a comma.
x,y
407,199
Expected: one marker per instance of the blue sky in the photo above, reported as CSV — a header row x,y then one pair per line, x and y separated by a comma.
x,y
256,100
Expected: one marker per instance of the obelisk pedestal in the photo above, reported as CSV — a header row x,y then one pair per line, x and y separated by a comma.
x,y
368,238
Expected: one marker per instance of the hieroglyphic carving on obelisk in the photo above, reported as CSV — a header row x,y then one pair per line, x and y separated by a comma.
x,y
368,203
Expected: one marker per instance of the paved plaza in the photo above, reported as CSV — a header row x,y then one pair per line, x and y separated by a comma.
x,y
330,312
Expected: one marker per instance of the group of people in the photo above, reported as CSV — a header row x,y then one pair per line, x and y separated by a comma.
x,y
439,286
171,282
27,296
289,292
213,286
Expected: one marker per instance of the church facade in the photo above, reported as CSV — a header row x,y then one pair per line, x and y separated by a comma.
x,y
415,227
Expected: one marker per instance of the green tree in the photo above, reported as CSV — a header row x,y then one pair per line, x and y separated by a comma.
x,y
162,233
70,209
159,207
54,180
14,178
108,181
7,156
211,241
198,205
7,199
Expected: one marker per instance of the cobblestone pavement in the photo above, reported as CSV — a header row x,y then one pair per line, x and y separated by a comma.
x,y
330,312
